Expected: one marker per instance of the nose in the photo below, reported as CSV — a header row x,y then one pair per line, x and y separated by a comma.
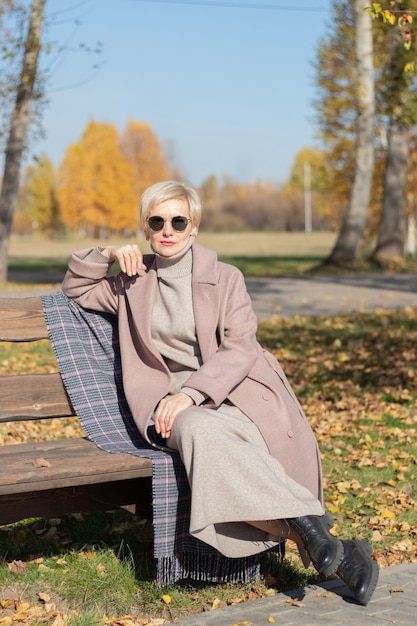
x,y
167,230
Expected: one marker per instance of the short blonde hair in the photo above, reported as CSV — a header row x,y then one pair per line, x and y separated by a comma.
x,y
170,190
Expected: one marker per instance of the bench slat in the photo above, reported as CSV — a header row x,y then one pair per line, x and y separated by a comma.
x,y
37,466
134,495
21,319
33,396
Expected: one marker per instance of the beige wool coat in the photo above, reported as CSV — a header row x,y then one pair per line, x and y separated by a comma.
x,y
234,365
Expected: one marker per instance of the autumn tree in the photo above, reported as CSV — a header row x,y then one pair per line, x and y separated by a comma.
x,y
400,97
259,205
336,99
95,189
353,225
325,206
145,155
18,128
40,202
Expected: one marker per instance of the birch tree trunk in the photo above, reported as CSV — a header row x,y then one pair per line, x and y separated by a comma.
x,y
351,232
17,131
392,227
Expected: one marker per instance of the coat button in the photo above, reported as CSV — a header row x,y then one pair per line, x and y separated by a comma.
x,y
266,396
290,433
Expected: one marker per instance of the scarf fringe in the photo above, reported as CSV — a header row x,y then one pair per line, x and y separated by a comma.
x,y
213,568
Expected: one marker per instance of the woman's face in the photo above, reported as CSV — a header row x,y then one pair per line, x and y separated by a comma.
x,y
167,242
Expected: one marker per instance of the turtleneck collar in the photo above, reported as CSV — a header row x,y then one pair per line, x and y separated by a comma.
x,y
177,265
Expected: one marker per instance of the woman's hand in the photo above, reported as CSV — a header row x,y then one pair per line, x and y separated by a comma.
x,y
168,409
129,257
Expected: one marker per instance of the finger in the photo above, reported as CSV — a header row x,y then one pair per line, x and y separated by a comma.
x,y
134,260
119,256
124,257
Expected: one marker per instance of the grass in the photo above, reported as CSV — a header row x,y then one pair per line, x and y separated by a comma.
x,y
355,376
256,254
316,244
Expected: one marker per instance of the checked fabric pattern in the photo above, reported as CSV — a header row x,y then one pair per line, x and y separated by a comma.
x,y
87,350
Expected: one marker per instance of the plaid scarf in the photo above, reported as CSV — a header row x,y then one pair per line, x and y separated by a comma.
x,y
87,350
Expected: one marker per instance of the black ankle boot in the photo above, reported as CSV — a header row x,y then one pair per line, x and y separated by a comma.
x,y
358,570
324,549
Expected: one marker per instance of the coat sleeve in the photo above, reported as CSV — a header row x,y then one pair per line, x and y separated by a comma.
x,y
229,330
87,283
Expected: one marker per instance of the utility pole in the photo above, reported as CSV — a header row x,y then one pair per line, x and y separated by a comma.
x,y
307,197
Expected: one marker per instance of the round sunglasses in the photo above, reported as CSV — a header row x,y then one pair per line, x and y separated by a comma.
x,y
179,223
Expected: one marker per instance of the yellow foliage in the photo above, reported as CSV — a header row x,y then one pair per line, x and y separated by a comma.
x,y
95,188
143,151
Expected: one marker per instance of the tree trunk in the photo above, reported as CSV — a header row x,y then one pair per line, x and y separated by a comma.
x,y
392,228
17,131
351,232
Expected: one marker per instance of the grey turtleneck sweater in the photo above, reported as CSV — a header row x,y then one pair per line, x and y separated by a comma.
x,y
173,325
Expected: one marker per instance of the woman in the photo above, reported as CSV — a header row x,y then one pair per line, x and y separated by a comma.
x,y
197,381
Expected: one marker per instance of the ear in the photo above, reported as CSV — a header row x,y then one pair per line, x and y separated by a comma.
x,y
194,232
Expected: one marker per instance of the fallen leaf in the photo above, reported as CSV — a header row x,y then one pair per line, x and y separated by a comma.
x,y
294,602
101,569
41,463
43,597
217,604
16,567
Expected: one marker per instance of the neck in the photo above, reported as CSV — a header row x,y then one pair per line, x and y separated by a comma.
x,y
166,261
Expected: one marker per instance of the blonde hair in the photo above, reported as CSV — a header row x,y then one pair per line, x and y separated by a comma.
x,y
170,190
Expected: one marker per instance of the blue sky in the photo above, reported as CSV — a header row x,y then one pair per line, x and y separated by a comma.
x,y
227,84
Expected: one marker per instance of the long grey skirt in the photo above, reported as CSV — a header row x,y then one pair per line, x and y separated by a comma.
x,y
233,480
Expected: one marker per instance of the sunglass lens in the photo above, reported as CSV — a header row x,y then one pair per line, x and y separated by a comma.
x,y
156,223
179,223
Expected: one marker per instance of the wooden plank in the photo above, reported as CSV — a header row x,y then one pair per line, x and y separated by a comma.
x,y
39,466
33,396
134,495
21,319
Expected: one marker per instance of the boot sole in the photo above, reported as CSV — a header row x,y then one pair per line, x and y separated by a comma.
x,y
333,565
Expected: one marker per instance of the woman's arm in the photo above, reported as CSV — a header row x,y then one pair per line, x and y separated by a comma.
x,y
86,280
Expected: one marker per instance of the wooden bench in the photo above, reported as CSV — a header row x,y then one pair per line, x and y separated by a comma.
x,y
56,477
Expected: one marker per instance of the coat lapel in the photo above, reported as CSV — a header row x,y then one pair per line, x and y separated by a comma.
x,y
205,297
141,298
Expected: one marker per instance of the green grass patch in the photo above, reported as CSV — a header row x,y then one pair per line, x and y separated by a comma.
x,y
273,265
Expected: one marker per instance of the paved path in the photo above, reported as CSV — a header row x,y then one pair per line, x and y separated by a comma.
x,y
330,295
326,295
327,604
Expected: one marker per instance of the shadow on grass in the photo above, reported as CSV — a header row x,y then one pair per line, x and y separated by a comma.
x,y
119,531
31,270
36,270
129,538
269,266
